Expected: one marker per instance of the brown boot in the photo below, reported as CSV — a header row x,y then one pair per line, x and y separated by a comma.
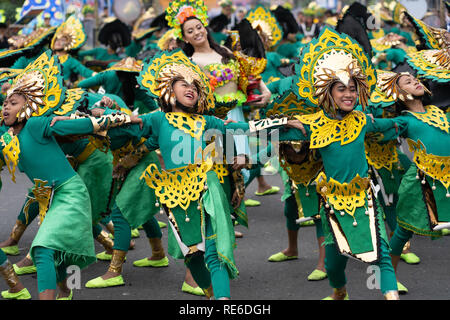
x,y
16,289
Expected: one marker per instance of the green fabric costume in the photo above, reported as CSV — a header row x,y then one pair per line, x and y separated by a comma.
x,y
112,85
411,209
69,217
98,54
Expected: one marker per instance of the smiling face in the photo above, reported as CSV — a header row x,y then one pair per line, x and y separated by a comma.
x,y
411,85
185,93
194,32
60,43
345,97
11,107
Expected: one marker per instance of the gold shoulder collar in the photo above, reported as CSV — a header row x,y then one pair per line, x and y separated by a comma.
x,y
192,124
324,130
434,117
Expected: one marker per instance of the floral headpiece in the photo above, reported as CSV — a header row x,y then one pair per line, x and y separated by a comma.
x,y
179,11
41,84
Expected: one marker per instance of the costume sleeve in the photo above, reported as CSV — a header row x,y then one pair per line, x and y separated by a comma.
x,y
94,81
80,69
65,127
85,53
379,124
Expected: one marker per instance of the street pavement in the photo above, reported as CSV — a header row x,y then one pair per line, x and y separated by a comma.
x,y
259,279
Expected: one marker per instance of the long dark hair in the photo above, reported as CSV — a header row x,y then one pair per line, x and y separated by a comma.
x,y
189,49
129,82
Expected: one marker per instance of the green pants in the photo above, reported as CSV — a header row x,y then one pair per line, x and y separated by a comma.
x,y
291,214
390,212
207,269
399,239
33,211
3,257
335,264
48,275
122,229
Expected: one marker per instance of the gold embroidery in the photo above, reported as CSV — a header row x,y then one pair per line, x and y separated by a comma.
x,y
42,195
191,124
221,171
72,97
289,106
325,130
178,187
11,151
344,196
437,167
63,58
126,149
381,155
434,117
302,173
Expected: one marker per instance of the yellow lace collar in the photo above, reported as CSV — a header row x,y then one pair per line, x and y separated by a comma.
x,y
192,124
325,131
63,58
11,151
434,117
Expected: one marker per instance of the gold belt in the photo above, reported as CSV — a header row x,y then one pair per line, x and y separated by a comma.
x,y
88,150
436,167
178,187
124,150
345,197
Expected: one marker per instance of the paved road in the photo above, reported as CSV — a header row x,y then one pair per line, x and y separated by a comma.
x,y
259,279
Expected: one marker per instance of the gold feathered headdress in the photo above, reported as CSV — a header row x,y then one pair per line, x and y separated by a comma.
x,y
42,86
73,30
388,84
333,57
165,68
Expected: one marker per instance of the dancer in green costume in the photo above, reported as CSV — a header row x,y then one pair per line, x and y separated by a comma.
x,y
68,37
199,216
93,166
423,206
298,168
336,79
64,203
16,289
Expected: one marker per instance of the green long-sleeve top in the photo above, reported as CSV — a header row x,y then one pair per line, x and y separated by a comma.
x,y
112,85
430,131
343,162
40,155
73,66
75,148
99,54
178,147
107,79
